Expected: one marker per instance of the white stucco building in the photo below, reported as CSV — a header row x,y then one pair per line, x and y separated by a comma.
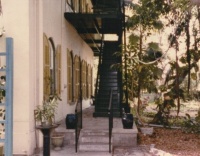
x,y
31,23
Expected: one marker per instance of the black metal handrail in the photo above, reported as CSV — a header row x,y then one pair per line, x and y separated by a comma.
x,y
110,116
98,70
78,114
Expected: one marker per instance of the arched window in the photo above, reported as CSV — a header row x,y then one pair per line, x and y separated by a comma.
x,y
51,68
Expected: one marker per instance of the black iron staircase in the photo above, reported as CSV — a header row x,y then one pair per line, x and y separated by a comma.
x,y
109,78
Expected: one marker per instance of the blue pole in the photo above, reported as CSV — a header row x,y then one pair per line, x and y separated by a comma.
x,y
9,98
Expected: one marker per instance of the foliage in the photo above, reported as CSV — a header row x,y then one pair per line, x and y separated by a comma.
x,y
46,111
176,121
146,14
192,125
180,16
139,76
146,74
2,90
164,107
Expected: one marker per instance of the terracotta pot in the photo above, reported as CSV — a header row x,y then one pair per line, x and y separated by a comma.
x,y
57,141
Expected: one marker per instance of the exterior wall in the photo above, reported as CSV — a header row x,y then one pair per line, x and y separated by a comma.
x,y
26,21
16,21
55,25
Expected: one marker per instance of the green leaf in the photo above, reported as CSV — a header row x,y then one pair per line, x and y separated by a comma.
x,y
194,76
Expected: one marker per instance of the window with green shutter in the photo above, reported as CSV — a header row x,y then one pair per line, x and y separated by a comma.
x,y
88,81
46,66
76,77
58,70
69,76
84,78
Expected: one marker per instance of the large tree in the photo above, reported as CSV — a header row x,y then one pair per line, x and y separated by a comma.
x,y
144,21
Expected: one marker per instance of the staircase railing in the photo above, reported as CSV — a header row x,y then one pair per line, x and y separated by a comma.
x,y
78,114
98,70
110,116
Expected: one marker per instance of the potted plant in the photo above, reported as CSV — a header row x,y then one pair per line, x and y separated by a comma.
x,y
45,113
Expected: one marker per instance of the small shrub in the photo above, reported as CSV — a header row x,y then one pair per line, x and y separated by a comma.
x,y
192,125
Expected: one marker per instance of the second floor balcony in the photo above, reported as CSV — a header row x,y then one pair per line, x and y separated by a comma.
x,y
94,19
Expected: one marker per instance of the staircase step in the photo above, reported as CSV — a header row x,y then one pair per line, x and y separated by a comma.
x,y
95,132
83,153
95,139
107,88
94,147
100,113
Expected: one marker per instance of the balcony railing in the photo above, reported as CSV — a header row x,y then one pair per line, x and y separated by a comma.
x,y
78,6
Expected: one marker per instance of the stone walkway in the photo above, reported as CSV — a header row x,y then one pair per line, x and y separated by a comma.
x,y
102,123
120,151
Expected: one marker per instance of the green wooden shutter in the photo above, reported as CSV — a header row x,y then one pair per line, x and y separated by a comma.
x,y
69,76
58,70
46,67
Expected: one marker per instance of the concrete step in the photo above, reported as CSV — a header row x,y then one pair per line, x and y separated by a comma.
x,y
94,132
98,147
94,153
95,138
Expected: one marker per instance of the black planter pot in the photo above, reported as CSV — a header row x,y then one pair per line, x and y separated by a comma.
x,y
70,121
127,121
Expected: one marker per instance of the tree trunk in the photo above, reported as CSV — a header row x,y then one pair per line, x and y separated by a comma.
x,y
139,79
177,83
187,27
